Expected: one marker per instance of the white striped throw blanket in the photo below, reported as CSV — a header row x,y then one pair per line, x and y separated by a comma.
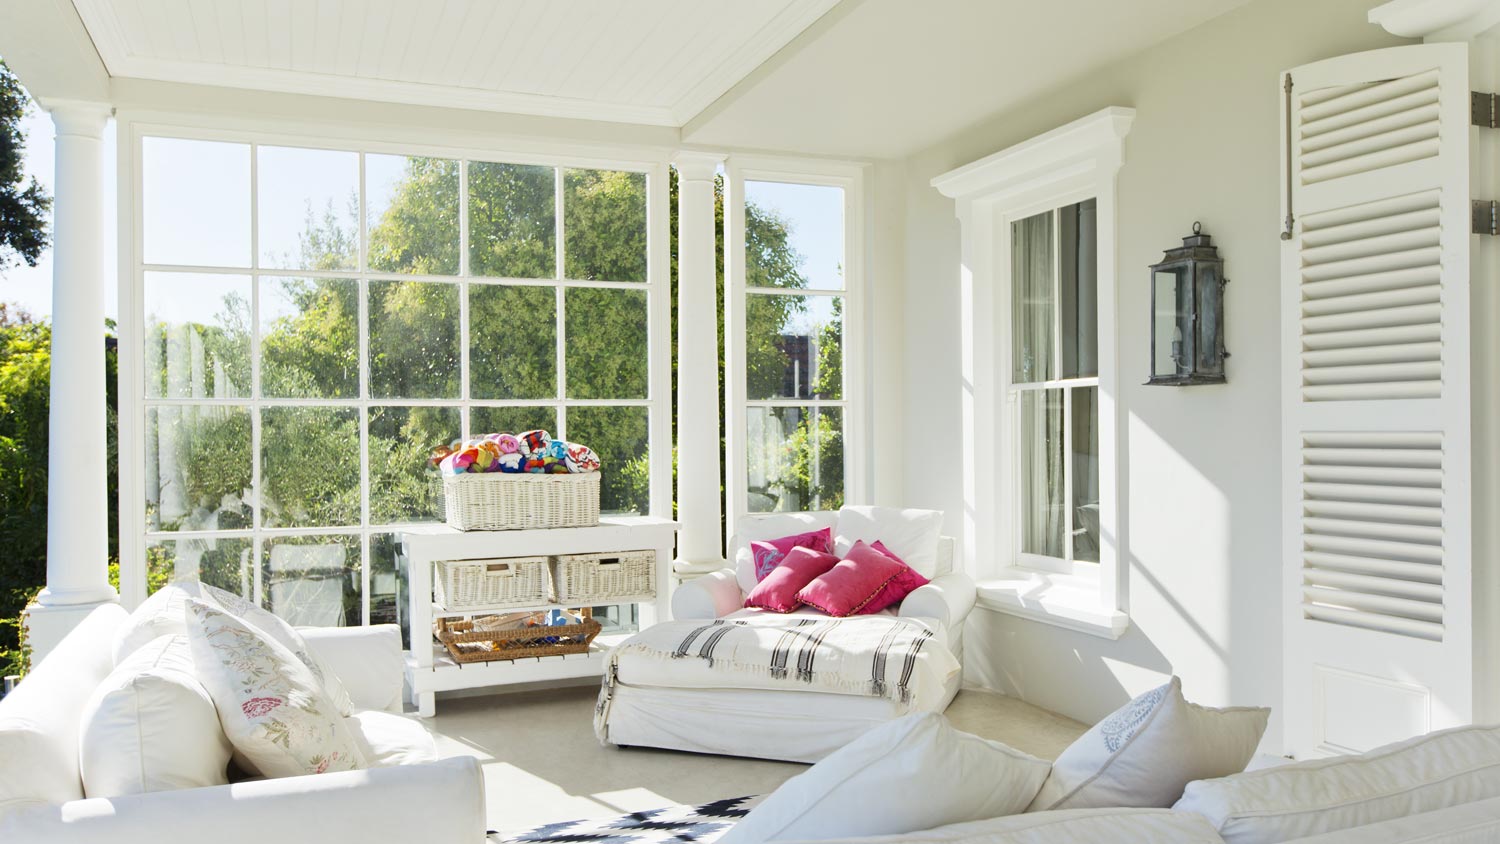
x,y
875,655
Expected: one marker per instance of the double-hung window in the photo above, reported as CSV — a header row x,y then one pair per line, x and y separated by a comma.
x,y
1054,386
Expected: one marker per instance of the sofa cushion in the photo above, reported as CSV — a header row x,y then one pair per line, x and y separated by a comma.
x,y
910,534
895,592
164,614
151,726
387,739
39,720
1072,826
1423,774
913,773
853,583
768,553
779,591
1146,752
273,709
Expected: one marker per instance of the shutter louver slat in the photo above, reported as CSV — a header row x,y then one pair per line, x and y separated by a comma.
x,y
1369,127
1372,530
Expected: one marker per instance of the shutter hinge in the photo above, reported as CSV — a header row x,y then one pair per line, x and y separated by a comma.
x,y
1484,110
1485,217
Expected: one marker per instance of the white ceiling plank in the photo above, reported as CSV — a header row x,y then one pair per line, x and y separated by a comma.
x,y
252,31
563,84
304,26
549,51
351,30
641,51
519,30
374,22
706,31
610,56
279,33
490,30
447,36
329,31
158,36
226,22
397,35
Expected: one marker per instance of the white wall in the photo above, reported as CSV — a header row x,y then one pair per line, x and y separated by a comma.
x,y
1200,526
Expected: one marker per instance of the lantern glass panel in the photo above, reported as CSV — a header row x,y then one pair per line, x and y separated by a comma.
x,y
1171,317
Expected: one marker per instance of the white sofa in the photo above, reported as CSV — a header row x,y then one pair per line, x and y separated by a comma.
x,y
654,706
41,790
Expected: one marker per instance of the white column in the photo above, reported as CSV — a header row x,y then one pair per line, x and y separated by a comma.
x,y
77,512
700,539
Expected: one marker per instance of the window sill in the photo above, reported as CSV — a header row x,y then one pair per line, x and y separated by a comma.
x,y
1064,600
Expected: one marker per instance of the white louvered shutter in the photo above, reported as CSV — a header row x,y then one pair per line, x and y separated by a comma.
x,y
1375,298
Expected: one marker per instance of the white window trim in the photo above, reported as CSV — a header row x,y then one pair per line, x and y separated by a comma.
x,y
855,404
134,125
1066,165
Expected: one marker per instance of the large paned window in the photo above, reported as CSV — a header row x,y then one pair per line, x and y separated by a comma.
x,y
790,385
1054,384
313,322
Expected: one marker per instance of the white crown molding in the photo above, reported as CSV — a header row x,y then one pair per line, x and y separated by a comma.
x,y
1440,20
1091,142
798,16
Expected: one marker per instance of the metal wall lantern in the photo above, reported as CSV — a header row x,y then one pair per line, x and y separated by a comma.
x,y
1187,314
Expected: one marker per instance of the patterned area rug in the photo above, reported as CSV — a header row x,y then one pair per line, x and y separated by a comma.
x,y
673,825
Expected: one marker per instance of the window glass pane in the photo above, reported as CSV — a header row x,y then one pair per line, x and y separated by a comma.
x,y
413,214
1033,305
308,208
604,225
309,342
312,581
511,420
618,619
794,346
413,340
195,202
1079,278
620,436
512,220
794,236
606,343
310,466
198,469
401,438
225,563
1086,474
1043,519
795,458
197,336
512,342
388,596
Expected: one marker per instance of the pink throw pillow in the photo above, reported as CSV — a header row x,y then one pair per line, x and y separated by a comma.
x,y
850,586
903,584
769,553
778,592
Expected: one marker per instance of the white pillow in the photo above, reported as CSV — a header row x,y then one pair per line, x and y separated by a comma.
x,y
911,535
1146,752
272,708
1423,774
1074,826
388,740
770,526
164,614
151,726
912,773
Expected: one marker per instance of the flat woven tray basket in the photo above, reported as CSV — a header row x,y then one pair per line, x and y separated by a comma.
x,y
467,640
500,501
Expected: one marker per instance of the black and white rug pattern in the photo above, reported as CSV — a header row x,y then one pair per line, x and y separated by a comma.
x,y
673,825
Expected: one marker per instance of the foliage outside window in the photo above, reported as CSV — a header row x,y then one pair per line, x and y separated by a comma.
x,y
794,346
1054,384
299,367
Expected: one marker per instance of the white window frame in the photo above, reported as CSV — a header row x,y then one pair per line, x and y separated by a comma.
x,y
856,394
134,126
1070,164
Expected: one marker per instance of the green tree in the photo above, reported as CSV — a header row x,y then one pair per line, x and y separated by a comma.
x,y
23,204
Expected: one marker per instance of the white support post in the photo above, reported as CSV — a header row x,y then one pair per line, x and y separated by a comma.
x,y
77,511
700,546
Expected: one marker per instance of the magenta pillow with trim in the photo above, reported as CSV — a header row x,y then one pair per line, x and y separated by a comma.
x,y
896,591
768,553
778,592
853,584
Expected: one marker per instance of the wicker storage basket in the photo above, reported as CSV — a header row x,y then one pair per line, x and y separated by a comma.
x,y
492,584
471,640
500,501
598,578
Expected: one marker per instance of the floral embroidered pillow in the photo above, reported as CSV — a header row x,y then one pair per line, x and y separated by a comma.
x,y
769,553
273,710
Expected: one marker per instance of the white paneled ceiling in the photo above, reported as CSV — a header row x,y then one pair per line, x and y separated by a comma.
x,y
656,62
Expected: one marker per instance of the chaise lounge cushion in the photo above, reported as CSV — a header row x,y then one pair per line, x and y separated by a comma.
x,y
913,773
151,726
1146,752
1072,826
1424,774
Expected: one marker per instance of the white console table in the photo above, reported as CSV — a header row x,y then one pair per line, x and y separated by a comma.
x,y
429,668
